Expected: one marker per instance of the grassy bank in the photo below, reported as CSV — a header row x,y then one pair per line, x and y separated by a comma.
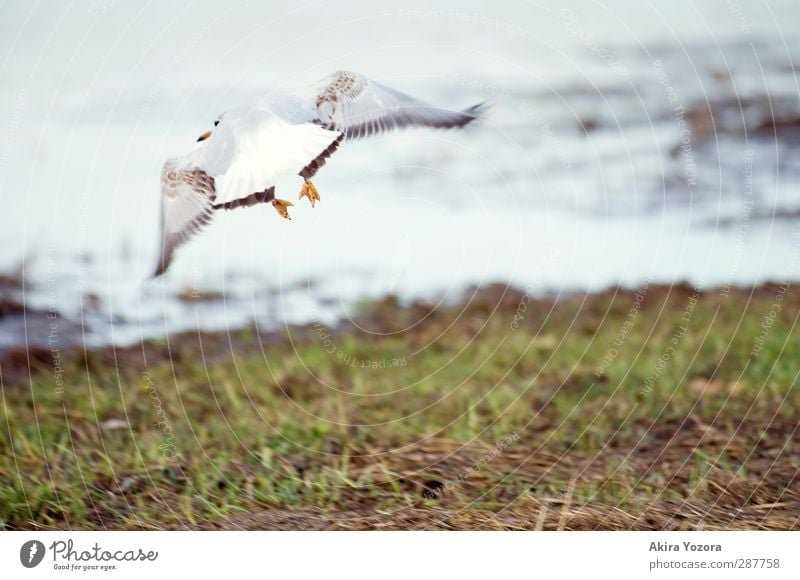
x,y
664,408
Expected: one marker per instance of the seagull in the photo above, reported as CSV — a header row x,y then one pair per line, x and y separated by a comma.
x,y
237,162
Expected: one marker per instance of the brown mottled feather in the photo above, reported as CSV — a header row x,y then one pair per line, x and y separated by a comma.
x,y
202,187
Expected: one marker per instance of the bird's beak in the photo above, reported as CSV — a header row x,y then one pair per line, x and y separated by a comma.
x,y
204,136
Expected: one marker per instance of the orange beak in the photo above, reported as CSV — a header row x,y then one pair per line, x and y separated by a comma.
x,y
204,136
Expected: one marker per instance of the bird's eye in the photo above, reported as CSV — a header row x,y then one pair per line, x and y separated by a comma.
x,y
216,122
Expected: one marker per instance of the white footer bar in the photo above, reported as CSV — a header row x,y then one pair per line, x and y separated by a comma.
x,y
386,555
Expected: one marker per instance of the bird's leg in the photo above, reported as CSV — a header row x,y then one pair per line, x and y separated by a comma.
x,y
281,206
308,190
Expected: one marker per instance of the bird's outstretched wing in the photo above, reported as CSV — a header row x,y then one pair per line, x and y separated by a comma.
x,y
187,198
359,107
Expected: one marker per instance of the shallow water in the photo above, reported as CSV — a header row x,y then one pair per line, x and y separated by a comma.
x,y
626,143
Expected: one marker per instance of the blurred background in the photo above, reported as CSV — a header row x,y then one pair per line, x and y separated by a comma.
x,y
627,143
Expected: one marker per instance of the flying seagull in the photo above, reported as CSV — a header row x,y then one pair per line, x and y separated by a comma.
x,y
237,163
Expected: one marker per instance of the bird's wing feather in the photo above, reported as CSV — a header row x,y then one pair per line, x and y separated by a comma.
x,y
251,148
186,206
359,107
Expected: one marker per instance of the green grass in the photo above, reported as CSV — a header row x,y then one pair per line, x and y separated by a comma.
x,y
397,415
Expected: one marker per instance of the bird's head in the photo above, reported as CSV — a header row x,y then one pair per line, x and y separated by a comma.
x,y
207,134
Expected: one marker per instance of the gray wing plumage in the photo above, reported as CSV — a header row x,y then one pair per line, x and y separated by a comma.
x,y
359,107
187,204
